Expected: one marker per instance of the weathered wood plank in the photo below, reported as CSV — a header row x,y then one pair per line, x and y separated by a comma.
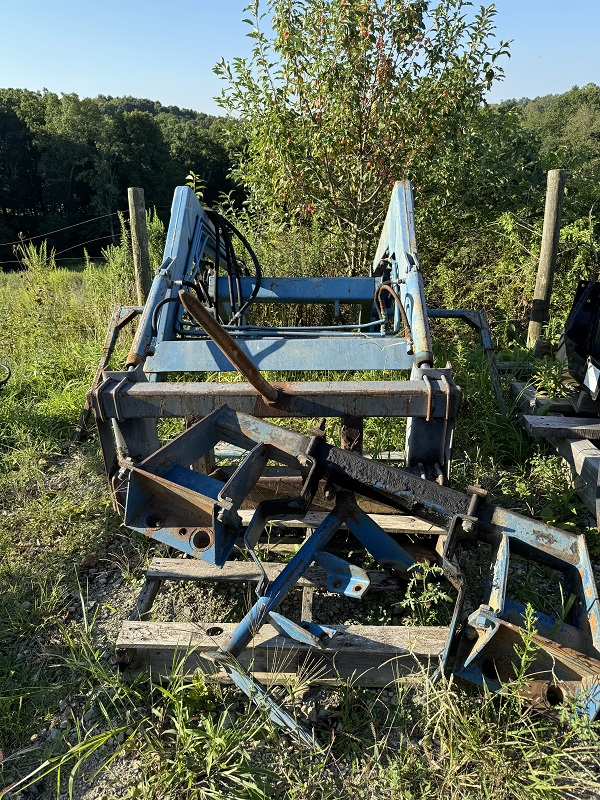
x,y
581,454
583,404
192,569
562,427
522,368
146,598
308,594
584,459
392,523
370,655
528,400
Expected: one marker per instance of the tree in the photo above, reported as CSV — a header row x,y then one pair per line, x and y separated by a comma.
x,y
348,96
200,148
568,127
19,183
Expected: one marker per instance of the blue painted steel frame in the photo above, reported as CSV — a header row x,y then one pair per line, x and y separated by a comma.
x,y
398,246
305,290
160,340
279,354
190,238
197,514
167,341
568,654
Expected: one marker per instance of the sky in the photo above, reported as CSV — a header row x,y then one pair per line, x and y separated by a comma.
x,y
166,50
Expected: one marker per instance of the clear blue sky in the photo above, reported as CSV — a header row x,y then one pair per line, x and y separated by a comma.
x,y
166,50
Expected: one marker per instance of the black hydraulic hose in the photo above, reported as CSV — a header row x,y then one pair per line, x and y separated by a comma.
x,y
231,297
234,271
257,269
217,264
220,230
197,287
200,289
157,308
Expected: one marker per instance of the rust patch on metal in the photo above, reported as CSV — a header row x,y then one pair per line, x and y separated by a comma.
x,y
228,346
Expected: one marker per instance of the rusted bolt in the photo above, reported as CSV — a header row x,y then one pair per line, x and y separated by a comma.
x,y
476,493
468,525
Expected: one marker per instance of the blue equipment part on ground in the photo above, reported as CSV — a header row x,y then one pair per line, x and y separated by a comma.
x,y
198,320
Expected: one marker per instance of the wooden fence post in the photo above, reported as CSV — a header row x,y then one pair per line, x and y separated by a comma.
x,y
139,243
540,308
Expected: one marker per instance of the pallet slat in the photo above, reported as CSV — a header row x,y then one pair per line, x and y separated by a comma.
x,y
581,454
584,458
369,655
528,399
391,523
192,569
562,427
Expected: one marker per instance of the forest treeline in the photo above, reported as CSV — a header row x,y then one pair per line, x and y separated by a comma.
x,y
66,159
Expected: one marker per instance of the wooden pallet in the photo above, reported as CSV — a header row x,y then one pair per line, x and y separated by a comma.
x,y
370,655
567,434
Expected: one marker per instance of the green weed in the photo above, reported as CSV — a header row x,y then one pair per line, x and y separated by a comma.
x,y
425,600
551,378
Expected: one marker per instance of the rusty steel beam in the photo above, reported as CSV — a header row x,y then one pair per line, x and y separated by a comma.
x,y
228,346
136,400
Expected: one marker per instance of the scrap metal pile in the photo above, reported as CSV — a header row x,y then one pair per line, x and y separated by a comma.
x,y
198,320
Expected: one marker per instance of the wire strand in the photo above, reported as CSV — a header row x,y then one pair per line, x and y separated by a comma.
x,y
59,230
82,244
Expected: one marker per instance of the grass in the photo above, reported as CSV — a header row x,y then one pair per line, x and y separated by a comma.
x,y
67,713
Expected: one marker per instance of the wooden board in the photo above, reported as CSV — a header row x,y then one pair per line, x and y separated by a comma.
x,y
369,655
583,403
562,427
517,367
529,400
392,523
192,569
581,454
584,458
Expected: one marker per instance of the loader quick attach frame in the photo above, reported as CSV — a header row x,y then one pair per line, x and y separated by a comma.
x,y
197,320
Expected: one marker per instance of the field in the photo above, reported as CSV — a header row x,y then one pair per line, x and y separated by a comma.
x,y
72,724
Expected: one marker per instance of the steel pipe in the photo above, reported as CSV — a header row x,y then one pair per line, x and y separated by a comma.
x,y
228,346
